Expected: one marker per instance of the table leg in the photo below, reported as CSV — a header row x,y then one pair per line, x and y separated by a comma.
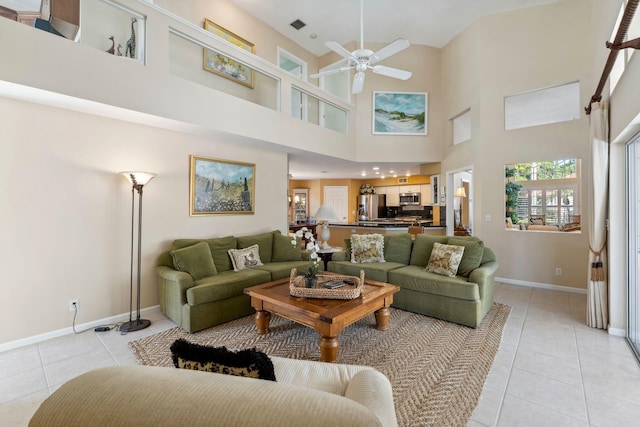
x,y
329,349
262,321
382,318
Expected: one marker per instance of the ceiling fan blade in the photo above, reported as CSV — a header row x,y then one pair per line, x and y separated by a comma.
x,y
391,72
339,50
329,72
390,49
358,82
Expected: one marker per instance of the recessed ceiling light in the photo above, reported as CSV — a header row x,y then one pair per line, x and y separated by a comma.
x,y
375,168
408,174
377,173
391,171
363,174
381,176
395,176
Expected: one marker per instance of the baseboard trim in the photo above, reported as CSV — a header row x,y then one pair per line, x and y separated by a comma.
x,y
66,331
541,285
617,332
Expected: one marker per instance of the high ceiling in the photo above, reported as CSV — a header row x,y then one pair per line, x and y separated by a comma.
x,y
424,22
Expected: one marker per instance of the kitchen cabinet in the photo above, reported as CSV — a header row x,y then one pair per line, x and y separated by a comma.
x,y
381,190
393,195
300,204
426,197
410,188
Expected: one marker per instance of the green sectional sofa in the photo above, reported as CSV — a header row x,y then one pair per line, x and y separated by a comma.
x,y
463,299
199,287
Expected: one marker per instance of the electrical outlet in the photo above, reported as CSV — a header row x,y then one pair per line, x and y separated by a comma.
x,y
558,271
73,305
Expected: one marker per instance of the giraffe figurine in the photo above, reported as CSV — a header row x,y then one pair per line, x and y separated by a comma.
x,y
119,47
130,49
111,50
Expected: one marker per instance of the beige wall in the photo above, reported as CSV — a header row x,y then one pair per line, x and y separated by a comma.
x,y
502,55
65,221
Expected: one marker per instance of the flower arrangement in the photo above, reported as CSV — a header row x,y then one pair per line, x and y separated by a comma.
x,y
312,246
367,189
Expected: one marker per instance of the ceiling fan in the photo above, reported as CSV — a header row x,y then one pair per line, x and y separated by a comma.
x,y
363,59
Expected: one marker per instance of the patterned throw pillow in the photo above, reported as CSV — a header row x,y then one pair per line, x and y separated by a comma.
x,y
243,363
245,258
445,259
367,248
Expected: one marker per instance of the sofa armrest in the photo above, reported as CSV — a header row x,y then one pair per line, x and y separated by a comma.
x,y
173,287
373,390
483,276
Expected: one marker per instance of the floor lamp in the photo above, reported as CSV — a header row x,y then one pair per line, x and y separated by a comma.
x,y
138,180
461,193
325,214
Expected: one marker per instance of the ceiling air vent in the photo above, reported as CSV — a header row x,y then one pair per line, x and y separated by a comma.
x,y
297,24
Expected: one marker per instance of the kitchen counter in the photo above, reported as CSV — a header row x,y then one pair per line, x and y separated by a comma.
x,y
340,232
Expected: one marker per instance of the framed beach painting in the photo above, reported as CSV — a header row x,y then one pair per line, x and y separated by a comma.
x,y
221,186
223,65
400,113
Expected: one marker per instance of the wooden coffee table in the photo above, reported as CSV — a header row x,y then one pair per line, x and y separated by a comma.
x,y
327,316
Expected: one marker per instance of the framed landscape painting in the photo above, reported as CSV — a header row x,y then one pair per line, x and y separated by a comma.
x,y
400,113
221,186
223,65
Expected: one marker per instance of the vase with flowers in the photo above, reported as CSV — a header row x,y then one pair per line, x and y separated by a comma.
x,y
311,276
367,189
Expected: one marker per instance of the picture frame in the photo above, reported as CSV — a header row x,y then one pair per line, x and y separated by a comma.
x,y
400,113
224,66
218,186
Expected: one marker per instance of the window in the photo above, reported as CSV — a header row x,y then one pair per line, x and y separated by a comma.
x,y
544,193
542,106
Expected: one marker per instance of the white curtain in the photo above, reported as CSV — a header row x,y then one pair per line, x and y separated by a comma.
x,y
597,309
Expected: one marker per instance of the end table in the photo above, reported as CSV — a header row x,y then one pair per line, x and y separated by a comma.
x,y
326,254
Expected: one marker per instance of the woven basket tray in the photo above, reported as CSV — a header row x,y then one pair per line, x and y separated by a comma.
x,y
297,287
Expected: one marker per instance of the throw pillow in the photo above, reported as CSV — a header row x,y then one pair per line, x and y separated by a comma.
x,y
367,248
264,242
284,251
195,260
422,247
472,256
245,258
243,363
444,259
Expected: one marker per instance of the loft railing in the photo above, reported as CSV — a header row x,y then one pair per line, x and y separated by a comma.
x,y
167,43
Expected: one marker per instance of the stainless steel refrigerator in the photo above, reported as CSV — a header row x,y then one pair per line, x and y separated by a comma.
x,y
372,206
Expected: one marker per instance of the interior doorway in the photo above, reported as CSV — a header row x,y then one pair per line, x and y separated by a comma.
x,y
460,202
338,198
633,249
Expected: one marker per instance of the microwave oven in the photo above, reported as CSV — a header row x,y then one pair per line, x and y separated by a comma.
x,y
407,199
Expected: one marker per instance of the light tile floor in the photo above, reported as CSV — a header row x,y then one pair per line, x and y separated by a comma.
x,y
551,369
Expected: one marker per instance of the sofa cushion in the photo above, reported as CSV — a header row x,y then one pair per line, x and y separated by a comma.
x,y
264,242
284,250
195,260
243,363
422,246
367,248
471,257
374,271
416,278
445,259
245,258
397,248
224,285
219,249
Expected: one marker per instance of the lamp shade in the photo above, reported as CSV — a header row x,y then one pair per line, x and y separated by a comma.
x,y
460,192
326,213
140,178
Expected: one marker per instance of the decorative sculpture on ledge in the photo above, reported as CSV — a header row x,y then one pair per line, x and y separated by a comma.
x,y
130,49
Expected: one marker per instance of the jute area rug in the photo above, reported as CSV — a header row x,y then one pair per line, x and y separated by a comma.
x,y
437,369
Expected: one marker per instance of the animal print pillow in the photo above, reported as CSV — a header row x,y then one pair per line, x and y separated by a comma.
x,y
445,259
245,258
367,248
